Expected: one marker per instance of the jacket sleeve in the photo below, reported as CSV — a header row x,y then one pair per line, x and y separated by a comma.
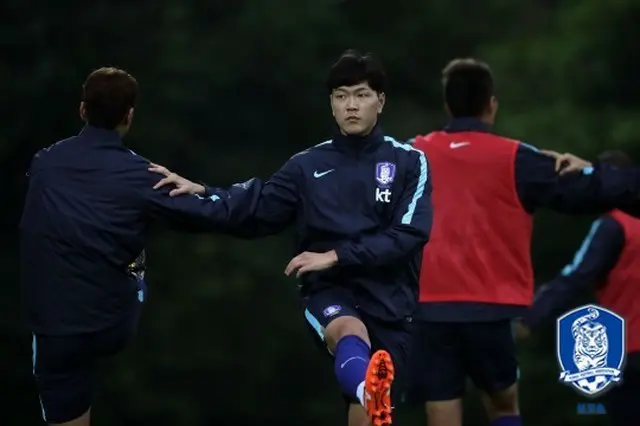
x,y
410,227
595,190
276,206
591,264
223,211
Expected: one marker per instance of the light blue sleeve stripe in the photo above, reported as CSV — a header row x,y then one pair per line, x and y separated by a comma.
x,y
213,198
313,322
34,351
531,147
422,180
579,256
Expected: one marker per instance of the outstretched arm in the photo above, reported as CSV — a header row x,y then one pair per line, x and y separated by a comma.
x,y
595,189
270,210
221,212
591,264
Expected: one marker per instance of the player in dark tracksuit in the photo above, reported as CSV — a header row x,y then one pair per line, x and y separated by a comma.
x,y
360,204
476,274
85,223
609,262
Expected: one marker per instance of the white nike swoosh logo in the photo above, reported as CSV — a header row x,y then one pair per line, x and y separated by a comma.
x,y
454,145
319,175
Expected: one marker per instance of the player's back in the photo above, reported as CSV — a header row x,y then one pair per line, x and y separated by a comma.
x,y
479,245
82,225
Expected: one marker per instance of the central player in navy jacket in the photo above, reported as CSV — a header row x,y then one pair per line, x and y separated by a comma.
x,y
361,206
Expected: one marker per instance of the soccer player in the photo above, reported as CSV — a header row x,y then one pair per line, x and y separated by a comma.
x,y
85,221
361,206
607,261
476,270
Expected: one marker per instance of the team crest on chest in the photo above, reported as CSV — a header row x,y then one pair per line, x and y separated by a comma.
x,y
385,173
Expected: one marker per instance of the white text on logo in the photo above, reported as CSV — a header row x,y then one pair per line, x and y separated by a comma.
x,y
383,195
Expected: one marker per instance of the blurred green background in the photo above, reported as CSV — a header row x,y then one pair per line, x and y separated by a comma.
x,y
231,89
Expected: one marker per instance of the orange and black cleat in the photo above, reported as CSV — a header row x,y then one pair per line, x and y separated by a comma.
x,y
377,388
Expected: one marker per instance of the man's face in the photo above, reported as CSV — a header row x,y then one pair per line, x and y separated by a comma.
x,y
356,108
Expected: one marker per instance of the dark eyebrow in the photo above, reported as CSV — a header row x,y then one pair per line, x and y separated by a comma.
x,y
358,90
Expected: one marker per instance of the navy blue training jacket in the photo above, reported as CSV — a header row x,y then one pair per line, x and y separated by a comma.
x,y
591,265
369,198
87,214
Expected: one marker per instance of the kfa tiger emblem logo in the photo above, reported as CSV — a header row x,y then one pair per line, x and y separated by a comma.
x,y
385,173
591,349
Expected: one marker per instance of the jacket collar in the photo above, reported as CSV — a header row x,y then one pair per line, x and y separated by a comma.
x,y
359,144
100,135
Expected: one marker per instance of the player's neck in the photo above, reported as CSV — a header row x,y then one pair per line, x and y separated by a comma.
x,y
122,130
486,118
366,133
372,133
358,142
483,119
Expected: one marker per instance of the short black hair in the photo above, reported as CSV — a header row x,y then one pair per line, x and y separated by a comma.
x,y
468,87
108,94
615,158
354,68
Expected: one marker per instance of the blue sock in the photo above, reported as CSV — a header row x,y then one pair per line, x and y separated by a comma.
x,y
507,421
352,356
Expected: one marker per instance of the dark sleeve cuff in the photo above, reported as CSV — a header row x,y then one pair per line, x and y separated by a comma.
x,y
343,255
208,190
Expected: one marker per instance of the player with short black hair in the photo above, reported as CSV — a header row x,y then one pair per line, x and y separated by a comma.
x,y
361,205
476,273
108,95
85,223
468,87
352,68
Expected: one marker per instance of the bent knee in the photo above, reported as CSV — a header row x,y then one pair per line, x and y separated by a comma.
x,y
344,326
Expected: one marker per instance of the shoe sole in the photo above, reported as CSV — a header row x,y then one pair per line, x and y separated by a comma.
x,y
380,375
